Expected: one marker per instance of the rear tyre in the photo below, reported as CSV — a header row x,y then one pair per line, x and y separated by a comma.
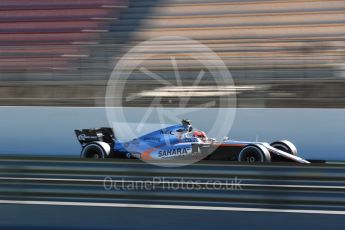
x,y
285,146
95,150
254,153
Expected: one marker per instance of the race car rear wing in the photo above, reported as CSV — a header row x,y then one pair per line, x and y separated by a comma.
x,y
99,134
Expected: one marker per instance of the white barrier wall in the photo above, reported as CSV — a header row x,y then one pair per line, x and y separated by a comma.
x,y
317,133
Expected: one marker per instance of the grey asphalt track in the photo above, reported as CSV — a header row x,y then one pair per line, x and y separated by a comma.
x,y
46,193
67,217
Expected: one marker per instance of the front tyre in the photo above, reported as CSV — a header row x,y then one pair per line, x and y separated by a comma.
x,y
95,150
285,146
254,153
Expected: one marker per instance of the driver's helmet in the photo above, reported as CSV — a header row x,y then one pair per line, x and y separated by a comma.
x,y
201,135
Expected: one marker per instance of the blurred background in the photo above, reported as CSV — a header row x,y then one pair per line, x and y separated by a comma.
x,y
280,53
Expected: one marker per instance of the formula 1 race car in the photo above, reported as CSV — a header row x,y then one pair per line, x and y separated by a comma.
x,y
180,142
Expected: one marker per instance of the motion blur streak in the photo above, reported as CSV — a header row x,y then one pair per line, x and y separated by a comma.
x,y
292,187
48,193
185,207
289,53
258,184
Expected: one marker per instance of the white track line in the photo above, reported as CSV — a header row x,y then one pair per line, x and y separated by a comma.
x,y
181,207
166,181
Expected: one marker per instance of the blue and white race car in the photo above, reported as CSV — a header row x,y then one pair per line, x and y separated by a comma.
x,y
181,142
